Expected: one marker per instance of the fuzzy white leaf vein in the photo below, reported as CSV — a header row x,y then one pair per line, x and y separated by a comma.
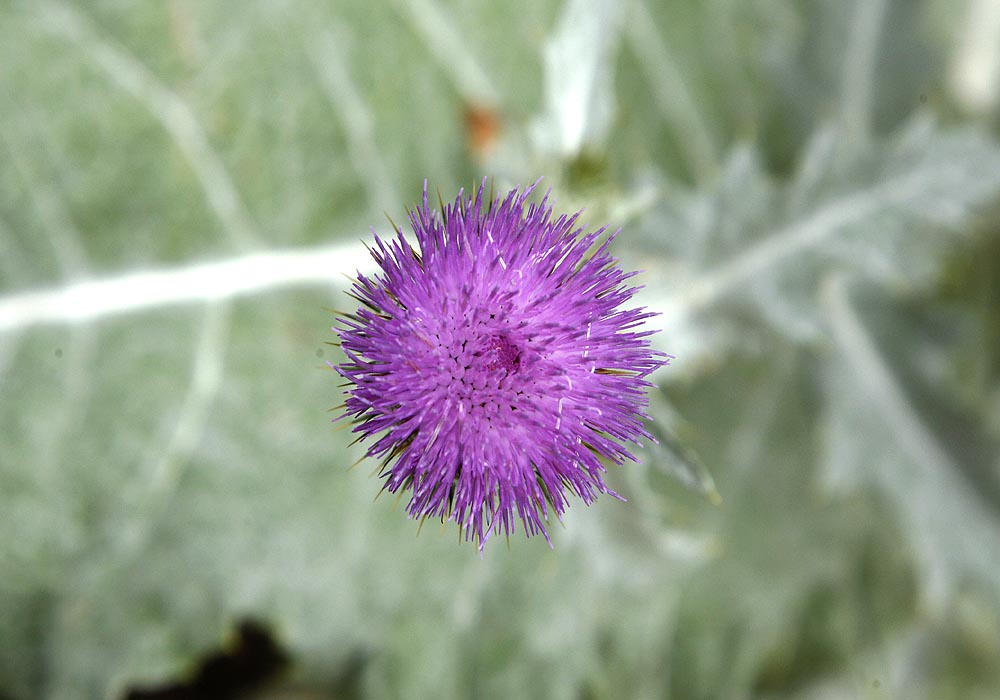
x,y
86,300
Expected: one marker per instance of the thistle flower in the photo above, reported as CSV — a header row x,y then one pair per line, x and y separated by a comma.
x,y
493,365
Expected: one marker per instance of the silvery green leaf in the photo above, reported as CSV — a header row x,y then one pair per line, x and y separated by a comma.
x,y
886,213
875,432
182,190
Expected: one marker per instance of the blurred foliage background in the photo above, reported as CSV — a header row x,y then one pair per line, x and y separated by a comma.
x,y
812,189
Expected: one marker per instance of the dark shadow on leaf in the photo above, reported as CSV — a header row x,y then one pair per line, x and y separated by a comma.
x,y
253,659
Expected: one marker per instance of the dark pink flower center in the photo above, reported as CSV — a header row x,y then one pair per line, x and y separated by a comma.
x,y
502,354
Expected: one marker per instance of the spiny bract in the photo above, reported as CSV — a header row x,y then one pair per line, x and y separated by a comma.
x,y
494,365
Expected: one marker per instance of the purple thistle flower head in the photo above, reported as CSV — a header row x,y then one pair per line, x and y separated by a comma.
x,y
493,365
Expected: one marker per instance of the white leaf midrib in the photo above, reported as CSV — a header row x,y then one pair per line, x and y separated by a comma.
x,y
88,300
